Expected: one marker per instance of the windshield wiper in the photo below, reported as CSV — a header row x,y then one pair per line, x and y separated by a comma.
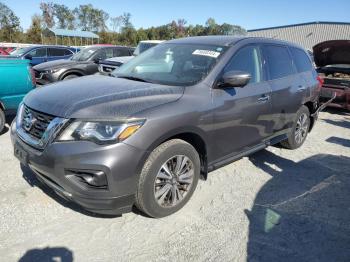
x,y
134,78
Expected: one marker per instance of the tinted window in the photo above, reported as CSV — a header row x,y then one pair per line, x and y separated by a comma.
x,y
301,60
104,53
121,52
39,52
67,52
248,60
279,61
55,52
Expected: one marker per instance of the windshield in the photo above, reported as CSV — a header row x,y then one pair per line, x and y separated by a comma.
x,y
172,64
20,51
85,54
142,47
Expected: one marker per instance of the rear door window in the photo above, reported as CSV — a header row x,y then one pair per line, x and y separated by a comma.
x,y
301,60
279,61
121,52
68,52
248,60
55,52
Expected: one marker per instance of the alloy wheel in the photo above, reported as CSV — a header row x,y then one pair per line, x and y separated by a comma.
x,y
301,128
173,181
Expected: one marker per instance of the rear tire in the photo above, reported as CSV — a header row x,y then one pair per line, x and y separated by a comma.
x,y
300,129
2,120
168,178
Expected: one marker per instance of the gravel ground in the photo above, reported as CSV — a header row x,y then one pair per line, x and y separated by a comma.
x,y
276,205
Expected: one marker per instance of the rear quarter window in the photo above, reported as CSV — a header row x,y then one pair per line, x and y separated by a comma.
x,y
279,61
301,60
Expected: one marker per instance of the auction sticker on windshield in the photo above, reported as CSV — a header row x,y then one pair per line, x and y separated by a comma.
x,y
206,53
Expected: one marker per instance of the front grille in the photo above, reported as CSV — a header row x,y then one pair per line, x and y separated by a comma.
x,y
35,123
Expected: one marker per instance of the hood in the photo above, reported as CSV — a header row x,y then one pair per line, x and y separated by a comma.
x,y
100,97
55,64
332,53
120,59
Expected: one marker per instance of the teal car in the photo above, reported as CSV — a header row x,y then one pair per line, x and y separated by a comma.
x,y
16,80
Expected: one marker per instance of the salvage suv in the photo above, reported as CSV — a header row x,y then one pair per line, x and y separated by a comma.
x,y
179,110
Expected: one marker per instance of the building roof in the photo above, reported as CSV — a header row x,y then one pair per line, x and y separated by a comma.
x,y
300,24
72,33
306,34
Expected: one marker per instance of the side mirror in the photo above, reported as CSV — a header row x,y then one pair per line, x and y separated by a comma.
x,y
235,79
29,57
97,60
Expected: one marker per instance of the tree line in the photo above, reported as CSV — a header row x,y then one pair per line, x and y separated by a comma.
x,y
112,30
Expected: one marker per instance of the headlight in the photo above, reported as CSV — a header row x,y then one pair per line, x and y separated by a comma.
x,y
52,71
100,132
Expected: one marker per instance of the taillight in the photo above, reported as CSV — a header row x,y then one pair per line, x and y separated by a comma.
x,y
320,81
32,73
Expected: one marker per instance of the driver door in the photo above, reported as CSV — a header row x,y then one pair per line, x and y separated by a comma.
x,y
242,118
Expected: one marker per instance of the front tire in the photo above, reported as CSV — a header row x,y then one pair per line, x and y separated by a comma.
x,y
168,178
299,131
2,120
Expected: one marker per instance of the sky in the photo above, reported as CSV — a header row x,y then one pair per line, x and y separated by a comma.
x,y
250,14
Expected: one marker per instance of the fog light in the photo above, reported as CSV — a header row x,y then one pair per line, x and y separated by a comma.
x,y
92,178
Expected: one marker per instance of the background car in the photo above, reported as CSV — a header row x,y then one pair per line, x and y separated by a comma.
x,y
108,65
83,63
16,80
3,51
41,54
332,59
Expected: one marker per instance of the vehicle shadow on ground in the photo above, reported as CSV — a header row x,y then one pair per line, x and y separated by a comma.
x,y
61,254
302,213
339,141
338,111
343,123
31,179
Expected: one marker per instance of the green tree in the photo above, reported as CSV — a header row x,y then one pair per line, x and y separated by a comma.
x,y
47,10
34,32
9,24
65,16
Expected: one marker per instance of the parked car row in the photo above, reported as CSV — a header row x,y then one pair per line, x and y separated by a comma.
x,y
181,109
107,66
83,63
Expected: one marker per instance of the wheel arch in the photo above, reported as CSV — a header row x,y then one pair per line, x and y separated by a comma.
x,y
192,137
71,72
312,109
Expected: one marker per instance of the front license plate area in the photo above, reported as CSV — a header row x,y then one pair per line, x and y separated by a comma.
x,y
20,154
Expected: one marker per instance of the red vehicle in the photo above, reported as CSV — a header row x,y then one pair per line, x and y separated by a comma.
x,y
3,51
332,59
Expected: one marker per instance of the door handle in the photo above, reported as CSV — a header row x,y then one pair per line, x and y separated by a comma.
x,y
264,98
301,88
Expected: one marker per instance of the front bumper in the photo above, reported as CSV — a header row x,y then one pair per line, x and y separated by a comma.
x,y
44,78
120,163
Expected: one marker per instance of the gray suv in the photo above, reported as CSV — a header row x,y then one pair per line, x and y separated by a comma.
x,y
168,117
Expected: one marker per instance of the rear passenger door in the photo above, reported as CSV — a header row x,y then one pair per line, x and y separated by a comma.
x,y
285,85
55,53
243,114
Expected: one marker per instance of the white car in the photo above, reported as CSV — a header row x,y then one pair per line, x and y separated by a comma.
x,y
109,65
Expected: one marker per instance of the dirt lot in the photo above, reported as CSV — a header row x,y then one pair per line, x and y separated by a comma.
x,y
276,205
